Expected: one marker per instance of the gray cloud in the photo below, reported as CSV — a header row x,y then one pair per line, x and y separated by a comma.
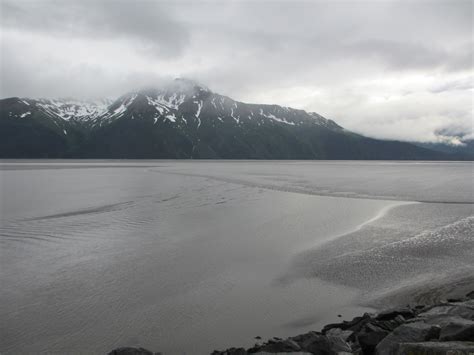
x,y
390,69
148,23
454,85
412,55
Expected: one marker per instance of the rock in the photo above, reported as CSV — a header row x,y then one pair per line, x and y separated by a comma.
x,y
436,348
469,303
463,310
320,346
315,343
372,327
389,325
132,351
407,333
470,295
338,332
369,341
231,351
277,346
390,314
457,328
339,345
354,325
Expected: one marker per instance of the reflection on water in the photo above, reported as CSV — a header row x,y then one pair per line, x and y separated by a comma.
x,y
193,256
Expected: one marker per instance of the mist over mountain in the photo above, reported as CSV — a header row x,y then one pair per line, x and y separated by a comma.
x,y
184,120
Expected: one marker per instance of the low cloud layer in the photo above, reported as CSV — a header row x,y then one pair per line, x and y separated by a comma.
x,y
387,69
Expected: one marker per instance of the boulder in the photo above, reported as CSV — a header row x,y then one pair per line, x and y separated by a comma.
x,y
338,344
287,353
231,351
286,345
276,346
315,343
407,333
373,327
354,325
436,348
368,341
456,328
405,312
307,338
132,351
338,332
462,309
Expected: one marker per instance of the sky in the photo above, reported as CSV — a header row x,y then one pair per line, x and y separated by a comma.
x,y
386,69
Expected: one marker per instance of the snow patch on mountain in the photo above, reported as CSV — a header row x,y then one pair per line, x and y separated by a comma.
x,y
172,101
119,111
158,105
72,109
171,117
198,112
275,118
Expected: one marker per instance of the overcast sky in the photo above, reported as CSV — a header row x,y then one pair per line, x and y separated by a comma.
x,y
387,69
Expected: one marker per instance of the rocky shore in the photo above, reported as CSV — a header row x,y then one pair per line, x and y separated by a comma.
x,y
443,328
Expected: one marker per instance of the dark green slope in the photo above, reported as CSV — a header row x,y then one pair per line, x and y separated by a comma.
x,y
465,149
32,134
142,139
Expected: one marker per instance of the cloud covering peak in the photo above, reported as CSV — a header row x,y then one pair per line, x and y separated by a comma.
x,y
388,69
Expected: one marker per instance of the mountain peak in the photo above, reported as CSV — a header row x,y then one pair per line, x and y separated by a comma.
x,y
185,85
179,86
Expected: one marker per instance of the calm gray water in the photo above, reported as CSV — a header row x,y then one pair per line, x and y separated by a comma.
x,y
187,257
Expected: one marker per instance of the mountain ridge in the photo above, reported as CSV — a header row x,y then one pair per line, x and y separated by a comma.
x,y
183,120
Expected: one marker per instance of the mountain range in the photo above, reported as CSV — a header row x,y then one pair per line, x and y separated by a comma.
x,y
185,120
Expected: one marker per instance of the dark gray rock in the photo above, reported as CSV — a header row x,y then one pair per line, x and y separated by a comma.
x,y
369,341
373,327
436,348
306,338
407,333
354,325
231,351
338,344
463,310
317,343
406,312
276,346
320,345
457,328
338,332
132,351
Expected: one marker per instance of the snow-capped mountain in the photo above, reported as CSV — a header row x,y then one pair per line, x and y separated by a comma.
x,y
181,120
175,103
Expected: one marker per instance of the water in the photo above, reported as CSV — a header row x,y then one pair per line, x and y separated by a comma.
x,y
187,257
